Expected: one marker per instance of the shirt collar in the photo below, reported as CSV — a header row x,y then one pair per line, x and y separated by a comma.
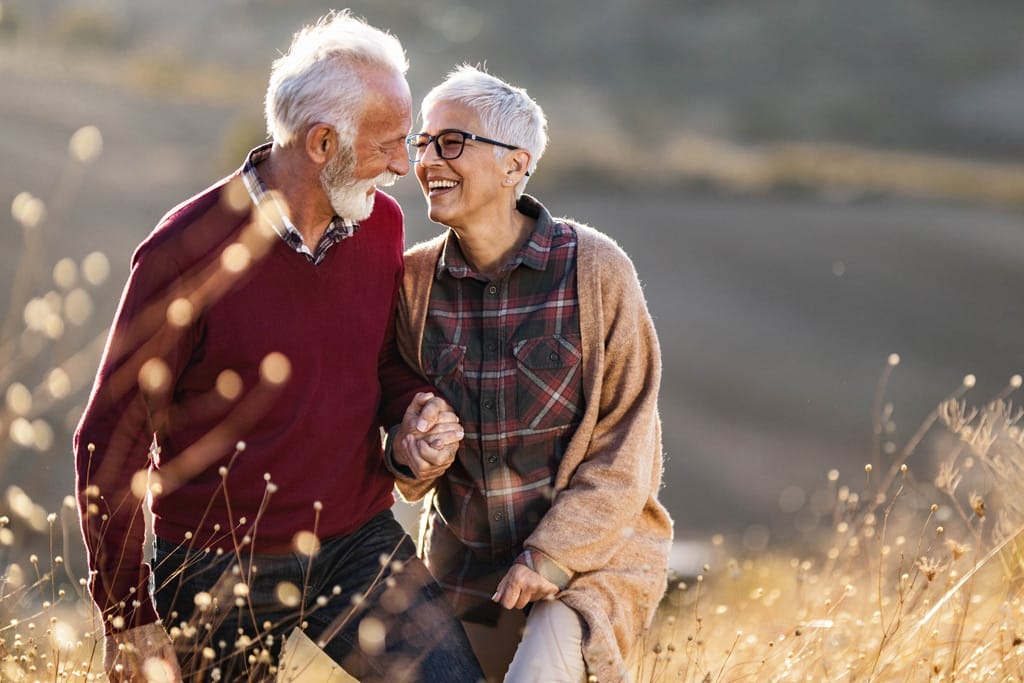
x,y
338,230
533,254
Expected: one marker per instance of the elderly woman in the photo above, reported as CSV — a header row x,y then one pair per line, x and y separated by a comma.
x,y
535,329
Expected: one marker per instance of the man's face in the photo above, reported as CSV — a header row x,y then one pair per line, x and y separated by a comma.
x,y
378,156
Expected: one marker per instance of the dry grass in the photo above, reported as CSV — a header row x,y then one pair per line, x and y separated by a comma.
x,y
912,581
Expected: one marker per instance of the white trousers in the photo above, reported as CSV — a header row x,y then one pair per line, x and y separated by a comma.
x,y
550,649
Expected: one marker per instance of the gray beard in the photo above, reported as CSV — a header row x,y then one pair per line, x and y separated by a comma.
x,y
348,199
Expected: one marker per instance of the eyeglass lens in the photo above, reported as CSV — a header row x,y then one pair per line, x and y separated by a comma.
x,y
447,145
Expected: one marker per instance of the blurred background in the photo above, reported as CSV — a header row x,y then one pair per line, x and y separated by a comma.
x,y
805,187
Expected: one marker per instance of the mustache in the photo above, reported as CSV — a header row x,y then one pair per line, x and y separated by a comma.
x,y
386,179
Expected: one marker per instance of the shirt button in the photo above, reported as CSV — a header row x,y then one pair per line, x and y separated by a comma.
x,y
489,404
493,289
492,346
552,356
497,516
492,459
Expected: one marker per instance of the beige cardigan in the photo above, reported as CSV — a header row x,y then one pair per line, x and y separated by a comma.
x,y
605,525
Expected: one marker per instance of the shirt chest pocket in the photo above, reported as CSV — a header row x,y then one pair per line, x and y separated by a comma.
x,y
548,381
444,365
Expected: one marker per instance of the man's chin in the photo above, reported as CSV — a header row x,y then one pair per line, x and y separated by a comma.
x,y
368,202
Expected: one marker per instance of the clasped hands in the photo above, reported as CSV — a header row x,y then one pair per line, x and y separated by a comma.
x,y
428,437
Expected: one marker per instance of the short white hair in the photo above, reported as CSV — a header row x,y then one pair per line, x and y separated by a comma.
x,y
507,113
319,78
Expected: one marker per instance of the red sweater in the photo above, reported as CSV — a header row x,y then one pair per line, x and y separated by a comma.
x,y
216,343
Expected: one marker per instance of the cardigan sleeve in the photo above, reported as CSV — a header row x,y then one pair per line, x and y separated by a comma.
x,y
413,298
620,468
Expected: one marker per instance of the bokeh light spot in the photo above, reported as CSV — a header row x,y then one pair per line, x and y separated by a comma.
x,y
35,314
235,258
22,433
95,268
64,635
156,670
229,384
28,210
371,635
19,399
180,312
86,144
53,328
19,502
78,306
306,543
288,594
15,576
235,196
42,435
275,368
140,484
65,273
154,376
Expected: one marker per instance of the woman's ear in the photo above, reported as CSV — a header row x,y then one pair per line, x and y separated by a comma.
x,y
321,142
517,165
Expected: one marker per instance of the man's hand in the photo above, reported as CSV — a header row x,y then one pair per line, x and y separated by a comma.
x,y
520,586
141,654
428,437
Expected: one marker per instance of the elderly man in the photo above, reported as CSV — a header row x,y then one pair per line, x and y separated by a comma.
x,y
249,371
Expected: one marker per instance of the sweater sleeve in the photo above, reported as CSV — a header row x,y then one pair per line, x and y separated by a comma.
x,y
620,469
399,383
144,355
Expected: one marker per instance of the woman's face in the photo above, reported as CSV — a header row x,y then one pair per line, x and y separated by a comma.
x,y
465,191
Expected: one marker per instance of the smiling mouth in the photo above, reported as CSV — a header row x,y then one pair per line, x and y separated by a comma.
x,y
441,185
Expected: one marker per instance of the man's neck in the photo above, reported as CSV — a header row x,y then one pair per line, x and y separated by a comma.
x,y
298,186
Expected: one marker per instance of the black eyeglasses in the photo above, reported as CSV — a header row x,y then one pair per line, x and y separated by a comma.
x,y
448,144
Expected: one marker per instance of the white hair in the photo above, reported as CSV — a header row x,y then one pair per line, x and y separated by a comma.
x,y
319,78
507,113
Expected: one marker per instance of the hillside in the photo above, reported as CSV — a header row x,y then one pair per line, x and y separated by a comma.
x,y
777,311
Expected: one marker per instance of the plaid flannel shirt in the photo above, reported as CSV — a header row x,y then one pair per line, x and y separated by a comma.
x,y
506,355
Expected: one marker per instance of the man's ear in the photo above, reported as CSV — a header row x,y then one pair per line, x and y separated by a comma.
x,y
321,142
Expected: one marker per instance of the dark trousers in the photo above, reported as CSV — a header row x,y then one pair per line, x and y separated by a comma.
x,y
365,598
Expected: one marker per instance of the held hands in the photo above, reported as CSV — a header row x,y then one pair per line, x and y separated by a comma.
x,y
140,654
521,586
428,437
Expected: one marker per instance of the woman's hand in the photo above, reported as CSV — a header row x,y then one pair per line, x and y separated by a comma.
x,y
520,586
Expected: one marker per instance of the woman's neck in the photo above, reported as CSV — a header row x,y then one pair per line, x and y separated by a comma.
x,y
487,248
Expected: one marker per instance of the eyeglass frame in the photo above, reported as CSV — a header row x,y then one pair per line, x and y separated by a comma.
x,y
412,137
